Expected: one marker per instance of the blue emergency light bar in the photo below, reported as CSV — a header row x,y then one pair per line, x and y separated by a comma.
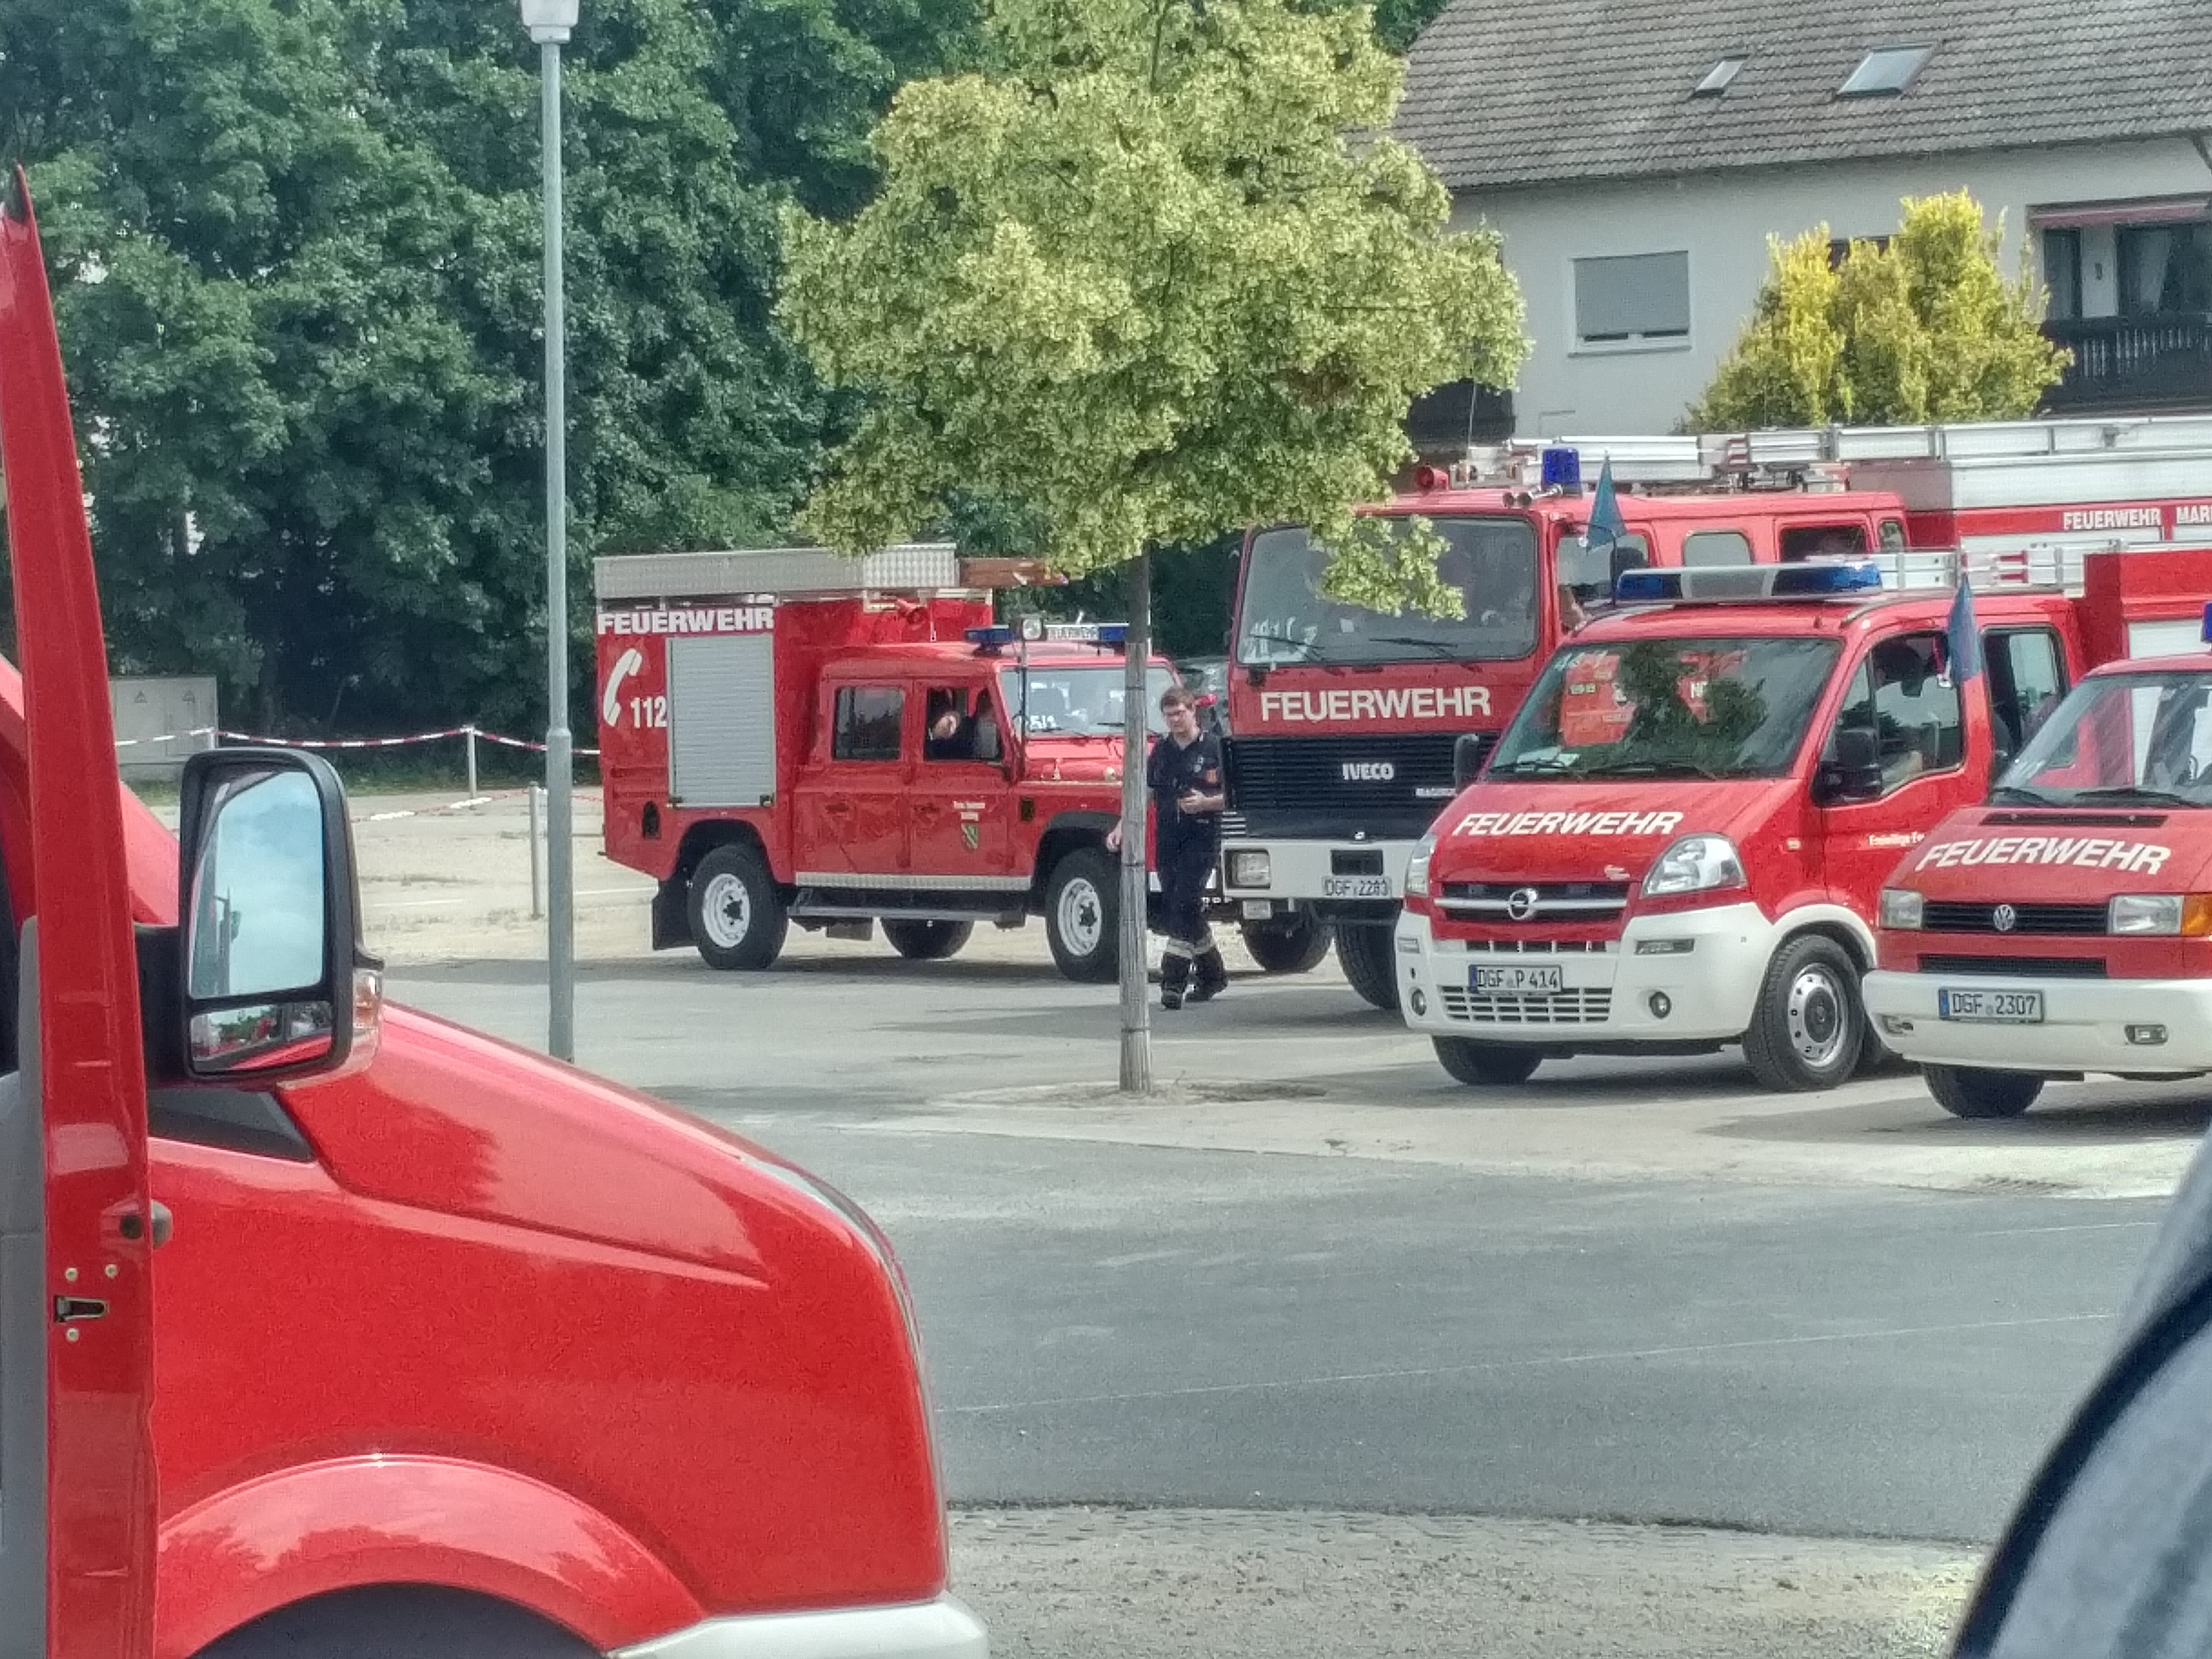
x,y
1741,584
2208,624
990,639
1562,468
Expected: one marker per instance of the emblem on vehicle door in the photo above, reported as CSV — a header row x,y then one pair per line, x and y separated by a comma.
x,y
972,835
1520,903
2004,918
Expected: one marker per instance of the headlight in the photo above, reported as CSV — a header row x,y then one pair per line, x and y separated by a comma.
x,y
1902,908
1417,868
1695,864
1251,870
2157,913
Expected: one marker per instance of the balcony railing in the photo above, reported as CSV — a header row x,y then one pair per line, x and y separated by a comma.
x,y
2163,361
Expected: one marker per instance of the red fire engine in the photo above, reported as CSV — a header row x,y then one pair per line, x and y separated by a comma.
x,y
770,729
455,1350
1344,724
2064,925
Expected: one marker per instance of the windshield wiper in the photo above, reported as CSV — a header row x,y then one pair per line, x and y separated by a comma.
x,y
1655,768
2021,794
2132,791
1314,653
1549,763
1436,648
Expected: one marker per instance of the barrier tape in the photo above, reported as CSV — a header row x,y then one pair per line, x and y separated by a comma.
x,y
343,743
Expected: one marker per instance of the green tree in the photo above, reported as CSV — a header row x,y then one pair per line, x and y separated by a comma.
x,y
1146,276
1926,328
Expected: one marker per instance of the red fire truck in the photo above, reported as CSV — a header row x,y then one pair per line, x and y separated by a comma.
x,y
1678,841
455,1350
767,734
1344,724
2063,926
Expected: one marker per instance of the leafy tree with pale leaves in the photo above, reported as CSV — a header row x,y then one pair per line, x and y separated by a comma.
x,y
1148,274
1926,328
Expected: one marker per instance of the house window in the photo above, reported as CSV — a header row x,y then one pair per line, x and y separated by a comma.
x,y
2164,269
1884,72
1719,78
2062,273
1839,248
1641,298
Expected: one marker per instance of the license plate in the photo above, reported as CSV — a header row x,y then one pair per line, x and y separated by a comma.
x,y
1991,1007
1528,981
1356,887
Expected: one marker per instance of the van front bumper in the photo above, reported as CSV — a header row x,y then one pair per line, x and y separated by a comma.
x,y
1703,967
942,1629
2084,1027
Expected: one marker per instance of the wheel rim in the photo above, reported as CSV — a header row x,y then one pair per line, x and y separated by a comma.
x,y
726,911
1081,917
1818,1017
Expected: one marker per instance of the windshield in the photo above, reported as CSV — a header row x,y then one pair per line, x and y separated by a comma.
x,y
2122,737
1490,562
1694,707
1052,700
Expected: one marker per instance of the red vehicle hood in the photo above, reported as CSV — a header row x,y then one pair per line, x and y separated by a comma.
x,y
1609,831
2060,855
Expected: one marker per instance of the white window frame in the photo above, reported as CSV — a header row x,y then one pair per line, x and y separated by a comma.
x,y
1683,342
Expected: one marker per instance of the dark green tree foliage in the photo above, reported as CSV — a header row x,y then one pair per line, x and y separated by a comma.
x,y
297,258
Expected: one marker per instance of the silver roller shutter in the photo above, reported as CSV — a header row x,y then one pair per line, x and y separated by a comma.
x,y
721,720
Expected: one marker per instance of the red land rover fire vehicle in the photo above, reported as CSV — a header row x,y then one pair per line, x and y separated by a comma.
x,y
769,754
1344,723
342,1340
2064,925
1677,842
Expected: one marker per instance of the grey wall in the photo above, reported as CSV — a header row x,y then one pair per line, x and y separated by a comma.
x,y
1723,222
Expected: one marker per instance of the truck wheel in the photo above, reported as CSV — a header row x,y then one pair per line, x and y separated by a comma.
x,y
927,941
1082,916
1807,1028
737,918
1286,945
1488,1065
1367,953
1969,1091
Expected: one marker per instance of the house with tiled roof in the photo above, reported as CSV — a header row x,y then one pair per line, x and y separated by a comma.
x,y
1636,156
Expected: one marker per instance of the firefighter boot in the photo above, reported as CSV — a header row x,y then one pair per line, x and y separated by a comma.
x,y
1175,975
1209,978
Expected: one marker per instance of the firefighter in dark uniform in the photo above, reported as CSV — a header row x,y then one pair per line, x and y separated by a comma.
x,y
1184,777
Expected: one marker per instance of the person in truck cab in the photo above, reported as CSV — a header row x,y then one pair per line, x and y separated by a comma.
x,y
1899,698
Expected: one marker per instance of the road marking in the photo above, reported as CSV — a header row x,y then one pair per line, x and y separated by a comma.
x,y
1415,1373
2068,1227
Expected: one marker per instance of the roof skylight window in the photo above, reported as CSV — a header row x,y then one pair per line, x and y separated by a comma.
x,y
1719,76
1884,72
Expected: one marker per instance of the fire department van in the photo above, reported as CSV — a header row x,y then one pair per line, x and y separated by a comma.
x,y
2064,925
1344,723
1677,842
768,743
336,1329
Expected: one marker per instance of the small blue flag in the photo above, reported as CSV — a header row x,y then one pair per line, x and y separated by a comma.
x,y
1606,525
1962,637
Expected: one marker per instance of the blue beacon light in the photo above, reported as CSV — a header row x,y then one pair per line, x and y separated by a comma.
x,y
1562,468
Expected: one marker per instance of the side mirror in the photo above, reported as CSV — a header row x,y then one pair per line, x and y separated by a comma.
x,y
1854,773
1467,756
270,980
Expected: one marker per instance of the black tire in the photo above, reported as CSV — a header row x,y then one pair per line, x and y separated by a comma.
x,y
1286,945
1971,1091
927,941
737,918
1809,1024
1082,916
1367,951
1488,1065
398,1621
1878,1059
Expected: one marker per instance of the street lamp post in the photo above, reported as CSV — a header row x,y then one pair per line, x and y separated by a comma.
x,y
549,22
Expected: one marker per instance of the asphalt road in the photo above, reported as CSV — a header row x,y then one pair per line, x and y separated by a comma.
x,y
1631,1291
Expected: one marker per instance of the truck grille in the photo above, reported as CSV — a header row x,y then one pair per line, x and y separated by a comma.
x,y
1952,916
2017,967
1533,901
1581,1007
1388,785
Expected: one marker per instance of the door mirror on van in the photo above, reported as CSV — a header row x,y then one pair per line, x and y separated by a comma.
x,y
271,982
1466,757
1853,771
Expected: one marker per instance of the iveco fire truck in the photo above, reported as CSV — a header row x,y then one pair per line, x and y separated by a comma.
x,y
1344,724
789,735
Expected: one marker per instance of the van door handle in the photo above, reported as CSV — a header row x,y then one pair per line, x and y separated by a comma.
x,y
837,808
67,1309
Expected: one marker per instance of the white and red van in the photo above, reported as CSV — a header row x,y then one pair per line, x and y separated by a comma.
x,y
327,1329
1677,842
2063,926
